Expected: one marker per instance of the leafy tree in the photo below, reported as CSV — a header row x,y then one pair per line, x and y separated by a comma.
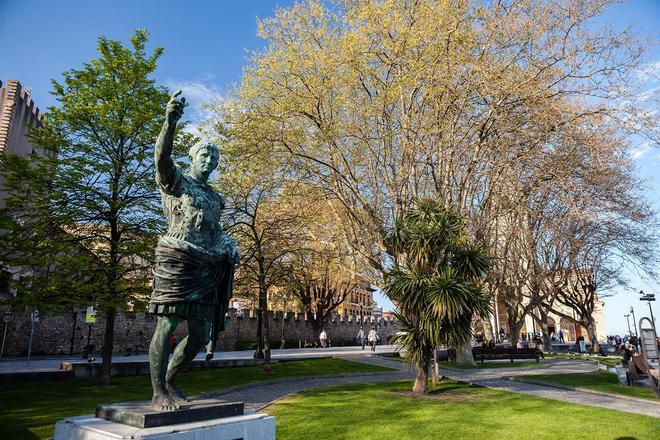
x,y
380,103
92,202
435,280
320,282
268,228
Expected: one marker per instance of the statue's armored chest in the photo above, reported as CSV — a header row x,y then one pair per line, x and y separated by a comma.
x,y
196,209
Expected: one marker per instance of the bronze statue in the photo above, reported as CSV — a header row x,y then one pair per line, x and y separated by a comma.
x,y
194,263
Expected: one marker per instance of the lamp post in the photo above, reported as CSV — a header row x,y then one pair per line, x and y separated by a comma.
x,y
632,311
283,315
648,297
628,321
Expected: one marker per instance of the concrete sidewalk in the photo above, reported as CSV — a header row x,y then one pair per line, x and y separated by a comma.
x,y
52,363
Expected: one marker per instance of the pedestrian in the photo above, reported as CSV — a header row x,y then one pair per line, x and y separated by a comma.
x,y
360,338
373,338
519,344
324,339
561,336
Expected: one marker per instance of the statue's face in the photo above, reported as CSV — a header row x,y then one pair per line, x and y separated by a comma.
x,y
205,161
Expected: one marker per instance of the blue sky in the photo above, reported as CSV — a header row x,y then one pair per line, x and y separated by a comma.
x,y
206,44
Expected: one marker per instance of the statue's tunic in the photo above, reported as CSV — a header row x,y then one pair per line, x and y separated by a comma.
x,y
192,270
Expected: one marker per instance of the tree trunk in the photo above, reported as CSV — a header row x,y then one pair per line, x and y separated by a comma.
x,y
544,330
435,376
259,352
108,341
267,365
591,332
421,381
515,332
316,326
263,293
489,332
464,355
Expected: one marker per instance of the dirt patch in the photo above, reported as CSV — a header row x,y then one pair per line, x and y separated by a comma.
x,y
447,396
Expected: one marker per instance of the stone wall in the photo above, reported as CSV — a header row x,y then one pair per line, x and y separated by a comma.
x,y
18,114
53,334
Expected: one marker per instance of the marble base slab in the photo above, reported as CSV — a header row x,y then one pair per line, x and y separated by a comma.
x,y
142,415
245,427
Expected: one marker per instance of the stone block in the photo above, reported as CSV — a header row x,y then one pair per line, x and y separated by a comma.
x,y
141,415
246,427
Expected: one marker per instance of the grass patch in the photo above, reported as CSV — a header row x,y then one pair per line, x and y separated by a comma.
x,y
29,411
452,411
597,381
610,361
487,364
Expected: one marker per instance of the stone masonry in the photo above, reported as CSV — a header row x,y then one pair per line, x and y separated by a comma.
x,y
53,334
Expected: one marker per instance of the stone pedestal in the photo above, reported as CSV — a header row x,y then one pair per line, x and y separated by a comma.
x,y
198,419
245,427
142,415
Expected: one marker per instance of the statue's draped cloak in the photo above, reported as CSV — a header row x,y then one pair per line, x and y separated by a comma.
x,y
192,272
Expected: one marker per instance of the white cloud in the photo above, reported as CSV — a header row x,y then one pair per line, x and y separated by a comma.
x,y
650,94
639,151
649,72
198,94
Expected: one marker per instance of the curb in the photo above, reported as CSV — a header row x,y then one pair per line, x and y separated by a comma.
x,y
582,390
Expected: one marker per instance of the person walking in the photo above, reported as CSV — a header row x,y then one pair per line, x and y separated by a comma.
x,y
561,336
324,339
360,338
373,338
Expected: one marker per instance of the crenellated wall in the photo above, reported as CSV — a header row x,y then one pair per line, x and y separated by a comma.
x,y
52,334
18,114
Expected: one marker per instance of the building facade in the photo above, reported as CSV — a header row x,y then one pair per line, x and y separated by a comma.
x,y
18,114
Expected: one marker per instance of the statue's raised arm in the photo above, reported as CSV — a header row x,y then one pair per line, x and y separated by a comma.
x,y
166,170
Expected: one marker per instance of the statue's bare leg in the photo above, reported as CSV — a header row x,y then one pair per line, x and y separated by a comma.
x,y
208,342
185,352
159,351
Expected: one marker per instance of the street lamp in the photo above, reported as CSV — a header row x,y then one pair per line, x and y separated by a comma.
x,y
628,321
632,311
648,297
283,315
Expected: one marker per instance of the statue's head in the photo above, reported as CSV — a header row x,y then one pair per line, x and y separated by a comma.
x,y
204,157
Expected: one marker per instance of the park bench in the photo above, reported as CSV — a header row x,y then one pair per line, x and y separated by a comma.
x,y
482,354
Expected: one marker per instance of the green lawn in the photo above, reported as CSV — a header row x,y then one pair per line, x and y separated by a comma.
x,y
29,411
610,361
598,381
453,411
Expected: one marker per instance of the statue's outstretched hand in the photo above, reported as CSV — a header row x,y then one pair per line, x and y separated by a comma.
x,y
175,107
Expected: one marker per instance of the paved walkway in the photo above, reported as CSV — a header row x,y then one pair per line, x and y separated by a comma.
x,y
257,396
51,363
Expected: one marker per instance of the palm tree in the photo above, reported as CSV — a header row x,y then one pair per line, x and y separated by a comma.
x,y
435,281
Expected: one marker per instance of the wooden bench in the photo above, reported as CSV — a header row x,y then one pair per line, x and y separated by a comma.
x,y
482,354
